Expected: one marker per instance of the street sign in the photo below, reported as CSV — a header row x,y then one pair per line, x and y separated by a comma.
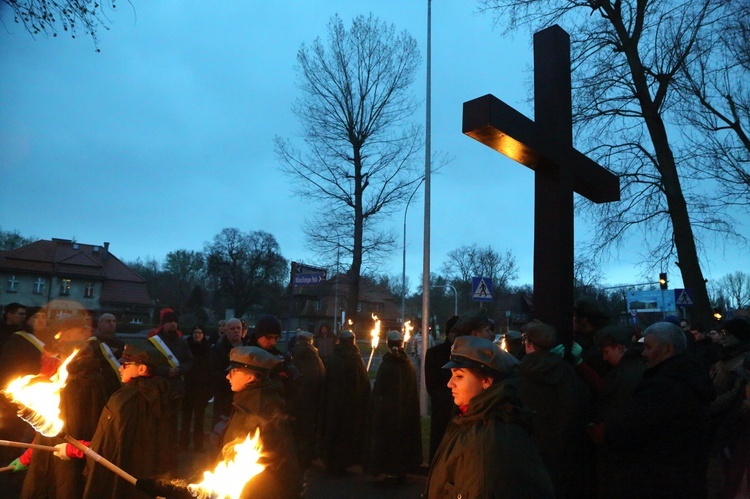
x,y
305,275
481,289
683,297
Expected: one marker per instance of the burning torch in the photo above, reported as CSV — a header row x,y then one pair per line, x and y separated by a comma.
x,y
375,339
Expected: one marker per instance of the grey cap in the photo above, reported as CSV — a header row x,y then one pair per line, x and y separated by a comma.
x,y
395,336
346,335
480,353
305,336
253,358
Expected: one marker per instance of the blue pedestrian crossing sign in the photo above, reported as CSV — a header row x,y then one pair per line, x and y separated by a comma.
x,y
683,297
481,289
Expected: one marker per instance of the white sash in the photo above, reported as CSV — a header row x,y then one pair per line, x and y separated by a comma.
x,y
164,349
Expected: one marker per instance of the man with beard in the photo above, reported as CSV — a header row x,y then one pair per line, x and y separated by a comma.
x,y
267,333
346,393
107,348
218,362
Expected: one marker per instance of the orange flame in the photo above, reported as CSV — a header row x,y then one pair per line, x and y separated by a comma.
x,y
407,331
229,477
375,332
42,397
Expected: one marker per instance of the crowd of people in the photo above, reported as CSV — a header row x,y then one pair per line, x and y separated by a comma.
x,y
604,412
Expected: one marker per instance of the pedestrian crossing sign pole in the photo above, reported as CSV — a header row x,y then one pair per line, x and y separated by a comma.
x,y
481,289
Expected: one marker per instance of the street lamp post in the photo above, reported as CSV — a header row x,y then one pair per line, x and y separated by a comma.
x,y
403,267
455,297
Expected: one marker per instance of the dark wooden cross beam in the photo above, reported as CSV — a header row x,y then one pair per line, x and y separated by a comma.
x,y
546,146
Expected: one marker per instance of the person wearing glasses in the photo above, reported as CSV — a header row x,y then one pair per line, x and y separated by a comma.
x,y
132,431
487,450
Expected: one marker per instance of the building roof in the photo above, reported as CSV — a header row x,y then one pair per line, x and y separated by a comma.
x,y
66,258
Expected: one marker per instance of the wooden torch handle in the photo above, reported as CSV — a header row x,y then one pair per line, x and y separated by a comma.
x,y
99,459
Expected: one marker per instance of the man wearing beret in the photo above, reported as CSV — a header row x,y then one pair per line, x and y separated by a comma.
x,y
133,428
258,405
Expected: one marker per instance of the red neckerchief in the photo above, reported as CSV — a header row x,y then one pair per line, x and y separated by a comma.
x,y
462,409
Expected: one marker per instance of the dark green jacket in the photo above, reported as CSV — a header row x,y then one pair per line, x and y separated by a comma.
x,y
260,406
488,452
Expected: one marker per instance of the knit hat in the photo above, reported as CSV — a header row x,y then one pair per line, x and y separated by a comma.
x,y
267,325
167,315
395,336
737,327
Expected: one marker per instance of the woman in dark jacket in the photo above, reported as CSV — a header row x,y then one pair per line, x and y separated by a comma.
x,y
197,390
487,450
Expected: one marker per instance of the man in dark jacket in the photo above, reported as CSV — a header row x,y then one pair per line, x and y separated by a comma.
x,y
133,429
552,389
436,379
396,435
267,333
665,425
345,406
107,349
304,407
217,364
14,319
197,391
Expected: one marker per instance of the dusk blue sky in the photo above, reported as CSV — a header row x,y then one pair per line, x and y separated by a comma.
x,y
165,137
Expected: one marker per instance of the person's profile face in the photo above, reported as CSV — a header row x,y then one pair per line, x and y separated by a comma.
x,y
464,385
239,378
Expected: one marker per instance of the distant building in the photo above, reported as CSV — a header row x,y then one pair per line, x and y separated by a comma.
x,y
74,279
319,304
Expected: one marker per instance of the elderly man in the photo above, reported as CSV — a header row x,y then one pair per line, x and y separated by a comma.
x,y
218,361
664,426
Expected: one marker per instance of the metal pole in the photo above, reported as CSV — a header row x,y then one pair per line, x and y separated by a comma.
x,y
426,256
403,268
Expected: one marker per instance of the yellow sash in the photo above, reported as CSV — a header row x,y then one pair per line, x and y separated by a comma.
x,y
108,355
164,349
32,339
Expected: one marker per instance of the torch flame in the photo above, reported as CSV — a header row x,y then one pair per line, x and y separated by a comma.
x,y
407,331
230,476
375,332
40,399
503,344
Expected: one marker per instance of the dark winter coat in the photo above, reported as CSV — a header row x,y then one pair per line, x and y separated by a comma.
x,y
441,400
197,379
488,452
664,429
81,403
218,362
111,376
345,415
617,387
180,349
561,402
133,433
304,407
260,406
396,432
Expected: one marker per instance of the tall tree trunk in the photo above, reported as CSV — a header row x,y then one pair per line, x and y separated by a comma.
x,y
356,267
684,241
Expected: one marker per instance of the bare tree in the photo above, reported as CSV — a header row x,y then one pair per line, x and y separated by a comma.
x,y
12,239
50,16
718,106
735,287
627,57
472,261
359,162
187,270
249,267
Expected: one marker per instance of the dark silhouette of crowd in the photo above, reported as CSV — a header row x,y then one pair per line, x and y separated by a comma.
x,y
600,411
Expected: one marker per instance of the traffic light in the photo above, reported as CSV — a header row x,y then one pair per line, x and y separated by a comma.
x,y
663,280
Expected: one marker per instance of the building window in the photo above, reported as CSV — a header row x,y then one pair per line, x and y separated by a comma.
x,y
12,285
39,286
88,291
64,287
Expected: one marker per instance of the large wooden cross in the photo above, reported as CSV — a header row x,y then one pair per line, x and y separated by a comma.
x,y
546,146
